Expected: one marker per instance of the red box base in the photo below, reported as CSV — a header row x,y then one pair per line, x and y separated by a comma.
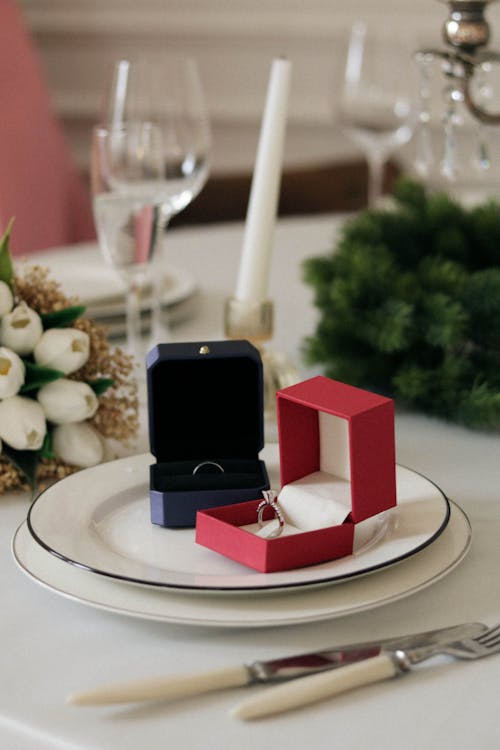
x,y
219,530
358,427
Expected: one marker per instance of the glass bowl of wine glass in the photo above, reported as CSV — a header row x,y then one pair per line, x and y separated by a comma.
x,y
378,104
150,157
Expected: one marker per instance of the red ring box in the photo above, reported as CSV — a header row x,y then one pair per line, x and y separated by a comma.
x,y
332,434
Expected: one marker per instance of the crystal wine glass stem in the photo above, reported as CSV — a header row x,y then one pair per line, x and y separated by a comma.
x,y
133,317
159,328
159,331
376,162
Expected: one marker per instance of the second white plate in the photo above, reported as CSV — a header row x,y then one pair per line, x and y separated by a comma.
x,y
98,286
247,610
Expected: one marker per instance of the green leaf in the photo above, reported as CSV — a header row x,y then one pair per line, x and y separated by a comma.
x,y
100,385
46,450
411,195
6,267
62,318
25,461
389,327
409,305
443,321
480,407
37,376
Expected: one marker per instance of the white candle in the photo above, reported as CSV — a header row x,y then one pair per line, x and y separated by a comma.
x,y
261,215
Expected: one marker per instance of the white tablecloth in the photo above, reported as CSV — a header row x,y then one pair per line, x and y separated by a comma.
x,y
51,646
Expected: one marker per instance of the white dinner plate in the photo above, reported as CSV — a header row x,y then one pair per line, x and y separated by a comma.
x,y
99,287
247,610
98,519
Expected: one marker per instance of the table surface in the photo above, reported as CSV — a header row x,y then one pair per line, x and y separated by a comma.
x,y
52,646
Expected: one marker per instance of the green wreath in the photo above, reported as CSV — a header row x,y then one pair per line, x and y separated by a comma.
x,y
409,305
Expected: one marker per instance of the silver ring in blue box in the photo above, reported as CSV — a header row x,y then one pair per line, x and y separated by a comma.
x,y
205,406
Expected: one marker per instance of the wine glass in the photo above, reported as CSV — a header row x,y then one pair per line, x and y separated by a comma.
x,y
377,105
150,158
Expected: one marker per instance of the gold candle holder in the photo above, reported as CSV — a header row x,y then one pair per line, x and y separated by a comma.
x,y
244,319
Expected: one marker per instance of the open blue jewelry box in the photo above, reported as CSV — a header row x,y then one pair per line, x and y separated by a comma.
x,y
206,428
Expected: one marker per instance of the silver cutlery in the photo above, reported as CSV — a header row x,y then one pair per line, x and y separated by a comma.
x,y
271,671
389,663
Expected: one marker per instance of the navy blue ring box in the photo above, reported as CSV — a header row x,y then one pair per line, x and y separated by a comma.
x,y
205,403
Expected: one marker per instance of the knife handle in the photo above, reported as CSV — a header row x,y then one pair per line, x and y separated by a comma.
x,y
305,690
162,688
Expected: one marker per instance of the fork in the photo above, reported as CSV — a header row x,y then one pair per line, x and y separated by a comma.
x,y
388,664
475,648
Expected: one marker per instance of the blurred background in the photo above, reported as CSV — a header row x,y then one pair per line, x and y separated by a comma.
x,y
234,42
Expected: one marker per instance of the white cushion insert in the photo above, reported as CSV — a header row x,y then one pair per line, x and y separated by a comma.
x,y
334,455
315,501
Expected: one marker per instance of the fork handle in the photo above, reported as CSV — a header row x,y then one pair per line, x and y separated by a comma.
x,y
305,690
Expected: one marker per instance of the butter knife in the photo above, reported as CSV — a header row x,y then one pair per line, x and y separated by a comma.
x,y
271,671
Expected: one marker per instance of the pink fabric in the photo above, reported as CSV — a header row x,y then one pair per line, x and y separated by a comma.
x,y
143,233
39,184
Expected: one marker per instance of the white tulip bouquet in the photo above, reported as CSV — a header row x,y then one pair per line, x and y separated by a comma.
x,y
64,395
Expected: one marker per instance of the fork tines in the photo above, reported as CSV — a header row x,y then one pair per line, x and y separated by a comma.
x,y
491,638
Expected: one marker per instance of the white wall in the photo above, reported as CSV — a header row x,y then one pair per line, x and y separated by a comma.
x,y
234,42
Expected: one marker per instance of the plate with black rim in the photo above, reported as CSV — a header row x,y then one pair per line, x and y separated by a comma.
x,y
98,520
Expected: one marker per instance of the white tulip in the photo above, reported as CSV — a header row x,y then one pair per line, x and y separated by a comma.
x,y
21,329
22,423
66,401
6,299
78,443
64,349
12,371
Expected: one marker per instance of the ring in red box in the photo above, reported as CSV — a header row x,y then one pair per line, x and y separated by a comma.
x,y
337,467
206,428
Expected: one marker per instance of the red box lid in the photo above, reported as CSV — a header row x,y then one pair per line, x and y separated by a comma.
x,y
370,420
